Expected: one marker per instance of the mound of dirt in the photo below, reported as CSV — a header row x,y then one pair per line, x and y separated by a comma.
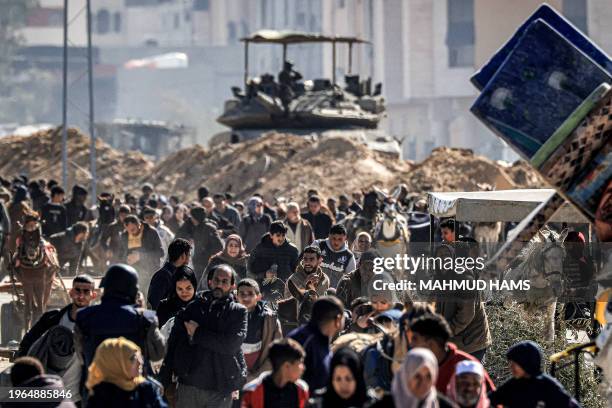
x,y
274,165
278,165
40,156
456,169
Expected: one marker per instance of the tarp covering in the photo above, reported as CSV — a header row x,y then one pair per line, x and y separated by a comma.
x,y
502,205
294,37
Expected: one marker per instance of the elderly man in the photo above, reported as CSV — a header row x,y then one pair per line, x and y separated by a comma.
x,y
467,388
255,225
299,231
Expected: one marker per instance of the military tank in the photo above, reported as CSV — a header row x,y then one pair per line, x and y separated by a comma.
x,y
293,105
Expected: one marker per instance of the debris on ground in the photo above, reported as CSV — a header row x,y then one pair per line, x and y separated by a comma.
x,y
275,165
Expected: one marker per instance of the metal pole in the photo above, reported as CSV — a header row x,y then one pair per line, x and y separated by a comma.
x,y
92,135
333,63
246,63
350,61
577,375
284,53
65,101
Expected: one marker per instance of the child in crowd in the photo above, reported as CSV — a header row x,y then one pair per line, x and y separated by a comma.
x,y
263,328
282,387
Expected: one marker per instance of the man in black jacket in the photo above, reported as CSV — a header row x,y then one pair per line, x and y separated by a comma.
x,y
274,249
75,209
118,316
205,238
70,245
205,346
53,213
321,222
179,253
82,294
141,248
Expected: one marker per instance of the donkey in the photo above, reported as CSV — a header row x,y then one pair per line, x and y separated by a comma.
x,y
541,262
35,264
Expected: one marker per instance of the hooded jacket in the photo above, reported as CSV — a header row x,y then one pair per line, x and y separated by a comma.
x,y
267,254
537,390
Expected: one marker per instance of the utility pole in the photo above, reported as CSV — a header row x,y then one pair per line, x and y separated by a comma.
x,y
92,149
65,101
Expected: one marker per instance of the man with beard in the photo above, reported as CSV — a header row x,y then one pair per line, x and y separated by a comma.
x,y
356,284
308,273
205,346
75,209
467,388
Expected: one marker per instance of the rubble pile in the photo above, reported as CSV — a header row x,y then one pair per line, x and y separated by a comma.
x,y
456,169
276,165
40,156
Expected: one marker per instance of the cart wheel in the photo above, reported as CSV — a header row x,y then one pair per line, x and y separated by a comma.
x,y
11,323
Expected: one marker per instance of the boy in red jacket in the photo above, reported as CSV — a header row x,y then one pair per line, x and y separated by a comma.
x,y
282,387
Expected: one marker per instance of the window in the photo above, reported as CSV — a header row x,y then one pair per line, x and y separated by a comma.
x,y
201,5
177,20
341,3
103,21
244,28
117,22
460,33
576,12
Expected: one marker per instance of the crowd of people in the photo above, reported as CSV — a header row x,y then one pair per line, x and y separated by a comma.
x,y
192,311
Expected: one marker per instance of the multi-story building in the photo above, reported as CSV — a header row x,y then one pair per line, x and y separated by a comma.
x,y
425,51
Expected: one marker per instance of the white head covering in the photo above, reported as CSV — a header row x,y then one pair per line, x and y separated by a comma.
x,y
415,359
471,367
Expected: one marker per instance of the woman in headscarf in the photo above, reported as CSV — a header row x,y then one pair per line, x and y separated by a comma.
x,y
185,284
115,378
233,254
414,384
346,387
361,244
